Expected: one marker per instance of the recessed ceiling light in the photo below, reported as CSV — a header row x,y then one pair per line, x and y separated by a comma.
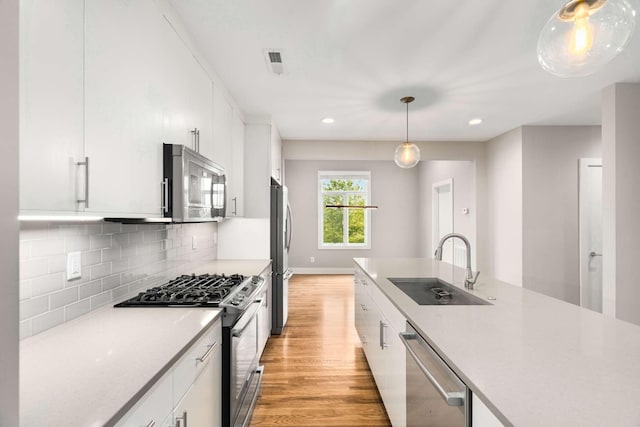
x,y
327,120
474,122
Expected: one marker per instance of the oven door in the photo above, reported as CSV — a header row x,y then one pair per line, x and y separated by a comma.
x,y
245,373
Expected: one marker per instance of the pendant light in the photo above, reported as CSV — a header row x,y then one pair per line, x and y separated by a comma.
x,y
407,154
584,35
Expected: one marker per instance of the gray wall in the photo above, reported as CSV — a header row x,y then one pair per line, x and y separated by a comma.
x,y
621,200
118,260
464,196
551,263
504,207
393,226
9,213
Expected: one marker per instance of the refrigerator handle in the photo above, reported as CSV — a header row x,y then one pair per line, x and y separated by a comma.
x,y
288,228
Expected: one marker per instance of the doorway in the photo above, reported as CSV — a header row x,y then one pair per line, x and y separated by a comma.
x,y
442,222
590,223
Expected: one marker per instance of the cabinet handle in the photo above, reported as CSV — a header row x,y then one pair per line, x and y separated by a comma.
x,y
364,307
383,344
165,195
196,139
182,421
235,206
86,183
209,350
152,423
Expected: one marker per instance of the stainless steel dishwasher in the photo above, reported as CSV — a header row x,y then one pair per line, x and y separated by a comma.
x,y
436,397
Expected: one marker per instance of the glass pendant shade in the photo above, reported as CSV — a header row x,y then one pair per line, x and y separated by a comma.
x,y
407,155
585,35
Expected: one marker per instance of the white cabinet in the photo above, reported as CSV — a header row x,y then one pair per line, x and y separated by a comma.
x,y
263,161
378,324
192,385
228,150
201,404
142,88
108,81
51,104
264,314
481,416
236,174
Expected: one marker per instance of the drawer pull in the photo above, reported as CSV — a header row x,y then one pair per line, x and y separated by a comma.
x,y
151,424
209,350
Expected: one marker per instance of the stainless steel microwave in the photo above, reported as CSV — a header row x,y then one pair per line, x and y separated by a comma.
x,y
194,187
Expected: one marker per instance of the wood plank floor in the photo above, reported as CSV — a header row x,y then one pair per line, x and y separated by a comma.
x,y
315,373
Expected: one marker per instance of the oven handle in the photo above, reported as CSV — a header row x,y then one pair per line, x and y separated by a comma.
x,y
246,319
453,398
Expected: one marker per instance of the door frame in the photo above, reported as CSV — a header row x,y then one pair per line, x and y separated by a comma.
x,y
435,212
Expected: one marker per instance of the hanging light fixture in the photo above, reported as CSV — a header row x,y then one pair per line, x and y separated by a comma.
x,y
584,35
407,154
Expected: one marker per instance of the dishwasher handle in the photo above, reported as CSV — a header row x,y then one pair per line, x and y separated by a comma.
x,y
453,398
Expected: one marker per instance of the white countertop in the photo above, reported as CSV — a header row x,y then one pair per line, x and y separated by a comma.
x,y
85,371
534,360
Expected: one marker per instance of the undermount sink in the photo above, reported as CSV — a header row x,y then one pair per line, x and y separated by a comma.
x,y
433,291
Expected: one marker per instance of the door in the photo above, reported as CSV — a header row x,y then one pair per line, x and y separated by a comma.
x,y
590,219
442,208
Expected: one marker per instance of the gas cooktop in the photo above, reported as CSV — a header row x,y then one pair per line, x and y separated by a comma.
x,y
206,290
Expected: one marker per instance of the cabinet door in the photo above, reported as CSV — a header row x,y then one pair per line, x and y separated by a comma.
x,y
189,103
236,173
154,407
51,109
202,403
222,125
126,45
394,392
276,155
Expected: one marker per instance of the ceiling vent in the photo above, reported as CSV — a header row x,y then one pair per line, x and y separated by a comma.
x,y
274,61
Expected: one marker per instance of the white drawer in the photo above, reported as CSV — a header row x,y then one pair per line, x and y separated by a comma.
x,y
194,360
156,405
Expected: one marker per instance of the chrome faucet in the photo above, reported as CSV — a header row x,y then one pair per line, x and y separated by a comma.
x,y
471,279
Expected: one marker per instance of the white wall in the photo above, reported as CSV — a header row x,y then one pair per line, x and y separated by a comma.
x,y
551,263
9,213
621,202
504,207
393,224
384,150
463,174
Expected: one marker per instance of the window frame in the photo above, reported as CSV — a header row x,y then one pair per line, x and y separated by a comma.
x,y
333,174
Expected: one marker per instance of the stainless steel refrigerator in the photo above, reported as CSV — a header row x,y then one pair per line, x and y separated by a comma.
x,y
280,243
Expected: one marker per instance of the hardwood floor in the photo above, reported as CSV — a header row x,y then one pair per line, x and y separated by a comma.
x,y
315,373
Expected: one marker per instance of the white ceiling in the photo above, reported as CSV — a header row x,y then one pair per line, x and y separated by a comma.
x,y
354,59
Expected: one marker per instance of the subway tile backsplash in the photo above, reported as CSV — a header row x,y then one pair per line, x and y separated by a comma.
x,y
118,261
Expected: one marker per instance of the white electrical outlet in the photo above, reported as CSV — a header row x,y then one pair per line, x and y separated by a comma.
x,y
194,242
312,259
74,265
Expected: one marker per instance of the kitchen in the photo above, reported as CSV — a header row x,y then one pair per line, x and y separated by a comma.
x,y
505,210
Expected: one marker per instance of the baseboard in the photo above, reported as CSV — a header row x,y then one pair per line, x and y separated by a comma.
x,y
297,270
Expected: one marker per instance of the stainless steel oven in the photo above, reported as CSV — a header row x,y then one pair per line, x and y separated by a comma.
x,y
245,374
436,397
193,188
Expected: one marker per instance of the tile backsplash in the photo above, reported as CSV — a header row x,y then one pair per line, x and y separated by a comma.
x,y
118,260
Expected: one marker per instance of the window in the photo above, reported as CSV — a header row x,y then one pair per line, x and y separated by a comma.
x,y
343,228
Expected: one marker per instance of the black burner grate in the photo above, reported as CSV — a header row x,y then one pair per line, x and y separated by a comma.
x,y
204,290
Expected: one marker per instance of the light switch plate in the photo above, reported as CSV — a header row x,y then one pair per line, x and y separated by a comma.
x,y
74,265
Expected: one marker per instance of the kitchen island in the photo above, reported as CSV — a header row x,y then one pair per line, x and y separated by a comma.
x,y
533,360
92,370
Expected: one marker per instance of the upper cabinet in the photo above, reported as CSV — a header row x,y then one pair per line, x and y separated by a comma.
x,y
142,88
51,104
263,161
103,83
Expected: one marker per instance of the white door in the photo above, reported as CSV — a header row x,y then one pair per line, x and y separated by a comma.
x,y
442,200
590,206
